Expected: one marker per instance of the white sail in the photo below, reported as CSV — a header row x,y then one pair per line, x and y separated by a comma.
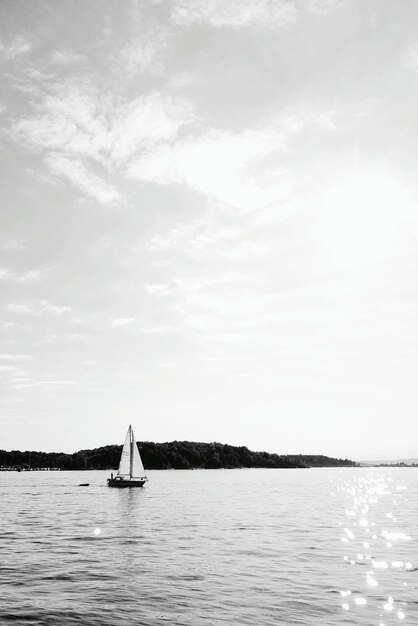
x,y
130,465
137,468
125,457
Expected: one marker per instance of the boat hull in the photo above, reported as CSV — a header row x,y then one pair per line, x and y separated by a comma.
x,y
114,482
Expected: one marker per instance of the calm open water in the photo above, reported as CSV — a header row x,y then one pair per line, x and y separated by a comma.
x,y
236,547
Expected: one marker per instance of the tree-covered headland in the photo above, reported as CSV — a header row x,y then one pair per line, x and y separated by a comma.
x,y
172,455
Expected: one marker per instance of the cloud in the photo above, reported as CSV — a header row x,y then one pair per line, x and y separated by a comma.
x,y
246,169
246,250
156,330
123,321
221,165
6,274
13,244
17,47
147,122
142,55
79,121
31,276
322,7
15,357
158,289
67,57
193,285
23,309
86,134
37,309
46,384
236,14
176,236
191,297
200,237
412,57
66,119
247,13
82,178
9,324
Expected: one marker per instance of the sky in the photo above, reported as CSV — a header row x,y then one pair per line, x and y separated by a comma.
x,y
208,224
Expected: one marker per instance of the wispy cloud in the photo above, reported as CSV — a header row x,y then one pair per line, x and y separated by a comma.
x,y
21,309
412,57
237,14
8,368
13,244
157,329
143,54
248,170
44,384
322,7
14,49
38,308
81,177
78,120
15,357
199,238
247,13
147,122
222,166
158,289
246,251
67,57
175,236
84,134
193,285
9,324
199,301
31,276
123,321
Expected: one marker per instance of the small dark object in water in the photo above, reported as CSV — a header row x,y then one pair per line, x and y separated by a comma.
x,y
84,485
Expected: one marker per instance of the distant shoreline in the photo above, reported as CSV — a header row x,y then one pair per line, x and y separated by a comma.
x,y
393,462
171,455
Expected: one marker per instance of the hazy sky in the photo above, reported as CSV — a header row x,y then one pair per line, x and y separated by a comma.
x,y
209,224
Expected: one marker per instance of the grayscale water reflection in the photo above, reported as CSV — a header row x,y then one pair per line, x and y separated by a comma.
x,y
323,547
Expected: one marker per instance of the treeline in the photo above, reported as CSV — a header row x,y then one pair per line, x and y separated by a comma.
x,y
172,455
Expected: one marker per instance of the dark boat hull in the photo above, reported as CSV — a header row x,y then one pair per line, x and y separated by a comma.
x,y
114,482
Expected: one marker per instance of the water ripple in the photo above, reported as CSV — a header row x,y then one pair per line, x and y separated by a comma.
x,y
210,547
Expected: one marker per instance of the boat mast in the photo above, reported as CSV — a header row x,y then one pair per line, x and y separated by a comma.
x,y
131,459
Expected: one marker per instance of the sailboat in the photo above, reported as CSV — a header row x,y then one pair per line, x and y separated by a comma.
x,y
131,472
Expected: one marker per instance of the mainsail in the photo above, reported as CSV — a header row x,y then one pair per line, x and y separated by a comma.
x,y
125,457
130,465
137,468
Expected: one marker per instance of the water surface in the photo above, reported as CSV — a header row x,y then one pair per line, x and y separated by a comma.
x,y
308,547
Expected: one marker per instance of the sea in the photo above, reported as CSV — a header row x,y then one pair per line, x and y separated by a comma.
x,y
209,547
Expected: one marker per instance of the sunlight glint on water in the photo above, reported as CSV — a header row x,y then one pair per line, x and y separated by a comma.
x,y
372,492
